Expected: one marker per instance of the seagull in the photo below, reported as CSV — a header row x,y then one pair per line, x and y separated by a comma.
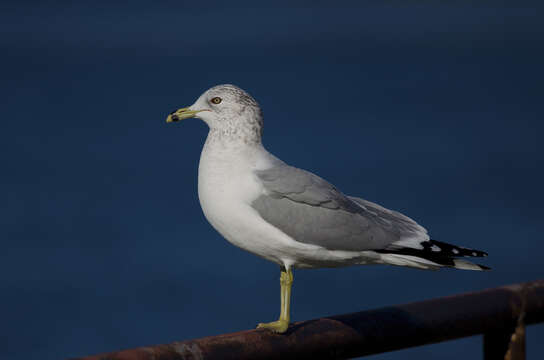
x,y
293,217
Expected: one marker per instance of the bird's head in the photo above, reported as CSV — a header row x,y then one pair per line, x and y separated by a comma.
x,y
226,109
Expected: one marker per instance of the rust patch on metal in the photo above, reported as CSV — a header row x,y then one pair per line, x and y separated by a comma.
x,y
188,351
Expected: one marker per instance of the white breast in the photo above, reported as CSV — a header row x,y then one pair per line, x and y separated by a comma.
x,y
226,188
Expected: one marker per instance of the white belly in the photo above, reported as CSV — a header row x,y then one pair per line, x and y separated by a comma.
x,y
226,188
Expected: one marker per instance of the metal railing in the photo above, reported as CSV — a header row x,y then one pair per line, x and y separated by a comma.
x,y
501,314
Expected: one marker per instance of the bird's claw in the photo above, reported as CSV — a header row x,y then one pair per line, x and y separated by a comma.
x,y
279,326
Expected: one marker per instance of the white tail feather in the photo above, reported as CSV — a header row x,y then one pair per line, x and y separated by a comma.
x,y
421,263
409,260
467,265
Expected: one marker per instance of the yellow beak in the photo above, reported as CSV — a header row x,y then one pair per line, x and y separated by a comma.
x,y
183,113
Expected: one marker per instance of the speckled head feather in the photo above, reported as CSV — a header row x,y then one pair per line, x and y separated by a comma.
x,y
230,112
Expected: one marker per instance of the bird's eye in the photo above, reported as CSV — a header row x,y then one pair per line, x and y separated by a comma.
x,y
216,100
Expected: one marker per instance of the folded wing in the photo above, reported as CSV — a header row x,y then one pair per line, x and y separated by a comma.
x,y
312,211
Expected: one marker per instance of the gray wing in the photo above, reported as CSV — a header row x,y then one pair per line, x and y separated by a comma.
x,y
312,211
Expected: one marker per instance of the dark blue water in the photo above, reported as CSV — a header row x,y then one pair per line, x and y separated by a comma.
x,y
433,110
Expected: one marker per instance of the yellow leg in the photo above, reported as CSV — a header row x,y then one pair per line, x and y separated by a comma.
x,y
281,325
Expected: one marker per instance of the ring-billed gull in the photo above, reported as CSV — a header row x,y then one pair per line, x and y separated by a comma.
x,y
291,216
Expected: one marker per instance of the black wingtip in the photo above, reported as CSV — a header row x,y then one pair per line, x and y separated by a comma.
x,y
441,253
454,250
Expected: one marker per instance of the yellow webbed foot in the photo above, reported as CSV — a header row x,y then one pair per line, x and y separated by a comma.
x,y
279,326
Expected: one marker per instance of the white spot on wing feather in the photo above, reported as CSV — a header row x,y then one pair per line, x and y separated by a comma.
x,y
412,242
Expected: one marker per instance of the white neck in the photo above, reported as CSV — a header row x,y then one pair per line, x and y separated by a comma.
x,y
232,135
230,154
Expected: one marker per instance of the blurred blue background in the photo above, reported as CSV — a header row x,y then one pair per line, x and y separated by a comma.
x,y
433,109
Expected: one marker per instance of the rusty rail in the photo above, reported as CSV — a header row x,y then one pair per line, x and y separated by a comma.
x,y
500,314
